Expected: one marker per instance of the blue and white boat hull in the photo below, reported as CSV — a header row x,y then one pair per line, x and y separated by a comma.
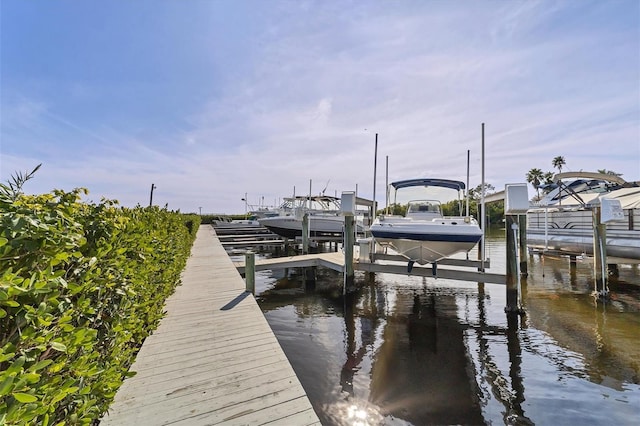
x,y
426,241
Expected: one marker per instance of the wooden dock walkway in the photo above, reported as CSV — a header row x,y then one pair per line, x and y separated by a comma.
x,y
213,359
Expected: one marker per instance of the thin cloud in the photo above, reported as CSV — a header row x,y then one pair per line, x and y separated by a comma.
x,y
301,94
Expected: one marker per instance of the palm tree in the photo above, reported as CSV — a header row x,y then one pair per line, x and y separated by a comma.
x,y
558,162
534,177
609,172
548,178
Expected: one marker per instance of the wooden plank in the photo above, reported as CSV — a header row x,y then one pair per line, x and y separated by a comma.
x,y
253,243
302,418
267,408
224,238
331,260
422,271
216,405
213,357
214,388
447,261
169,381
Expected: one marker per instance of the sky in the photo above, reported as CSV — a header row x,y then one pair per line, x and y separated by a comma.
x,y
212,100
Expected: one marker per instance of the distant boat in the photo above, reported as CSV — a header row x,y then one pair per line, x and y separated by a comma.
x,y
562,221
324,217
424,235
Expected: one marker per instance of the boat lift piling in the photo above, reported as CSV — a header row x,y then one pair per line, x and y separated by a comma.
x,y
522,223
609,210
347,209
599,253
516,203
513,267
309,273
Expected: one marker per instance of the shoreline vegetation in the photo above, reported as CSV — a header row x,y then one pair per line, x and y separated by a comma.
x,y
82,285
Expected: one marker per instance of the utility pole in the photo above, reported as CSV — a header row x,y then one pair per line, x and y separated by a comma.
x,y
151,196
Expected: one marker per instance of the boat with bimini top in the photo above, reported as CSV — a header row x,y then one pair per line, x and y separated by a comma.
x,y
323,212
424,234
562,220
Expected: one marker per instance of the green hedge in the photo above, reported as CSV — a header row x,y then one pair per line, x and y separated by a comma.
x,y
81,287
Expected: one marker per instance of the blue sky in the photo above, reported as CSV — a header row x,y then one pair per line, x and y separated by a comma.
x,y
210,100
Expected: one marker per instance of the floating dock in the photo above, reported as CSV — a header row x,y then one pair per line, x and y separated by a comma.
x,y
213,359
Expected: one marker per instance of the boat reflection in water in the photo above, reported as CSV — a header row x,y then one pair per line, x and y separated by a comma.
x,y
412,350
424,350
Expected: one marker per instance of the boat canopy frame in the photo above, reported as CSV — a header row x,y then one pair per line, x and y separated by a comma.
x,y
426,182
445,183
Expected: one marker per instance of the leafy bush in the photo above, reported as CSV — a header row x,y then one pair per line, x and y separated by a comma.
x,y
81,287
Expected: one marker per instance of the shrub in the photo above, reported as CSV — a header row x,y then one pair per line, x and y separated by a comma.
x,y
81,287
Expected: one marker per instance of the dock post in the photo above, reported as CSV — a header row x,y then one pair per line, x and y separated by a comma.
x,y
513,276
250,272
348,210
480,244
599,254
349,241
524,270
309,277
305,233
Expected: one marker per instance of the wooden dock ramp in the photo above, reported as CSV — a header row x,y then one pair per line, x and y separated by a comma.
x,y
213,359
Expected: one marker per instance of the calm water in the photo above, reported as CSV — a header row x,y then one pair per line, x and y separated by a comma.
x,y
414,351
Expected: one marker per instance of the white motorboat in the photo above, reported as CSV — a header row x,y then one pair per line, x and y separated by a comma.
x,y
323,212
423,234
562,221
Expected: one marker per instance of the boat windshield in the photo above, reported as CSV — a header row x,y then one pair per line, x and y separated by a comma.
x,y
424,208
322,203
433,196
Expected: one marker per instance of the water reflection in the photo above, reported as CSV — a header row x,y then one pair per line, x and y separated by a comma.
x,y
421,372
409,350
